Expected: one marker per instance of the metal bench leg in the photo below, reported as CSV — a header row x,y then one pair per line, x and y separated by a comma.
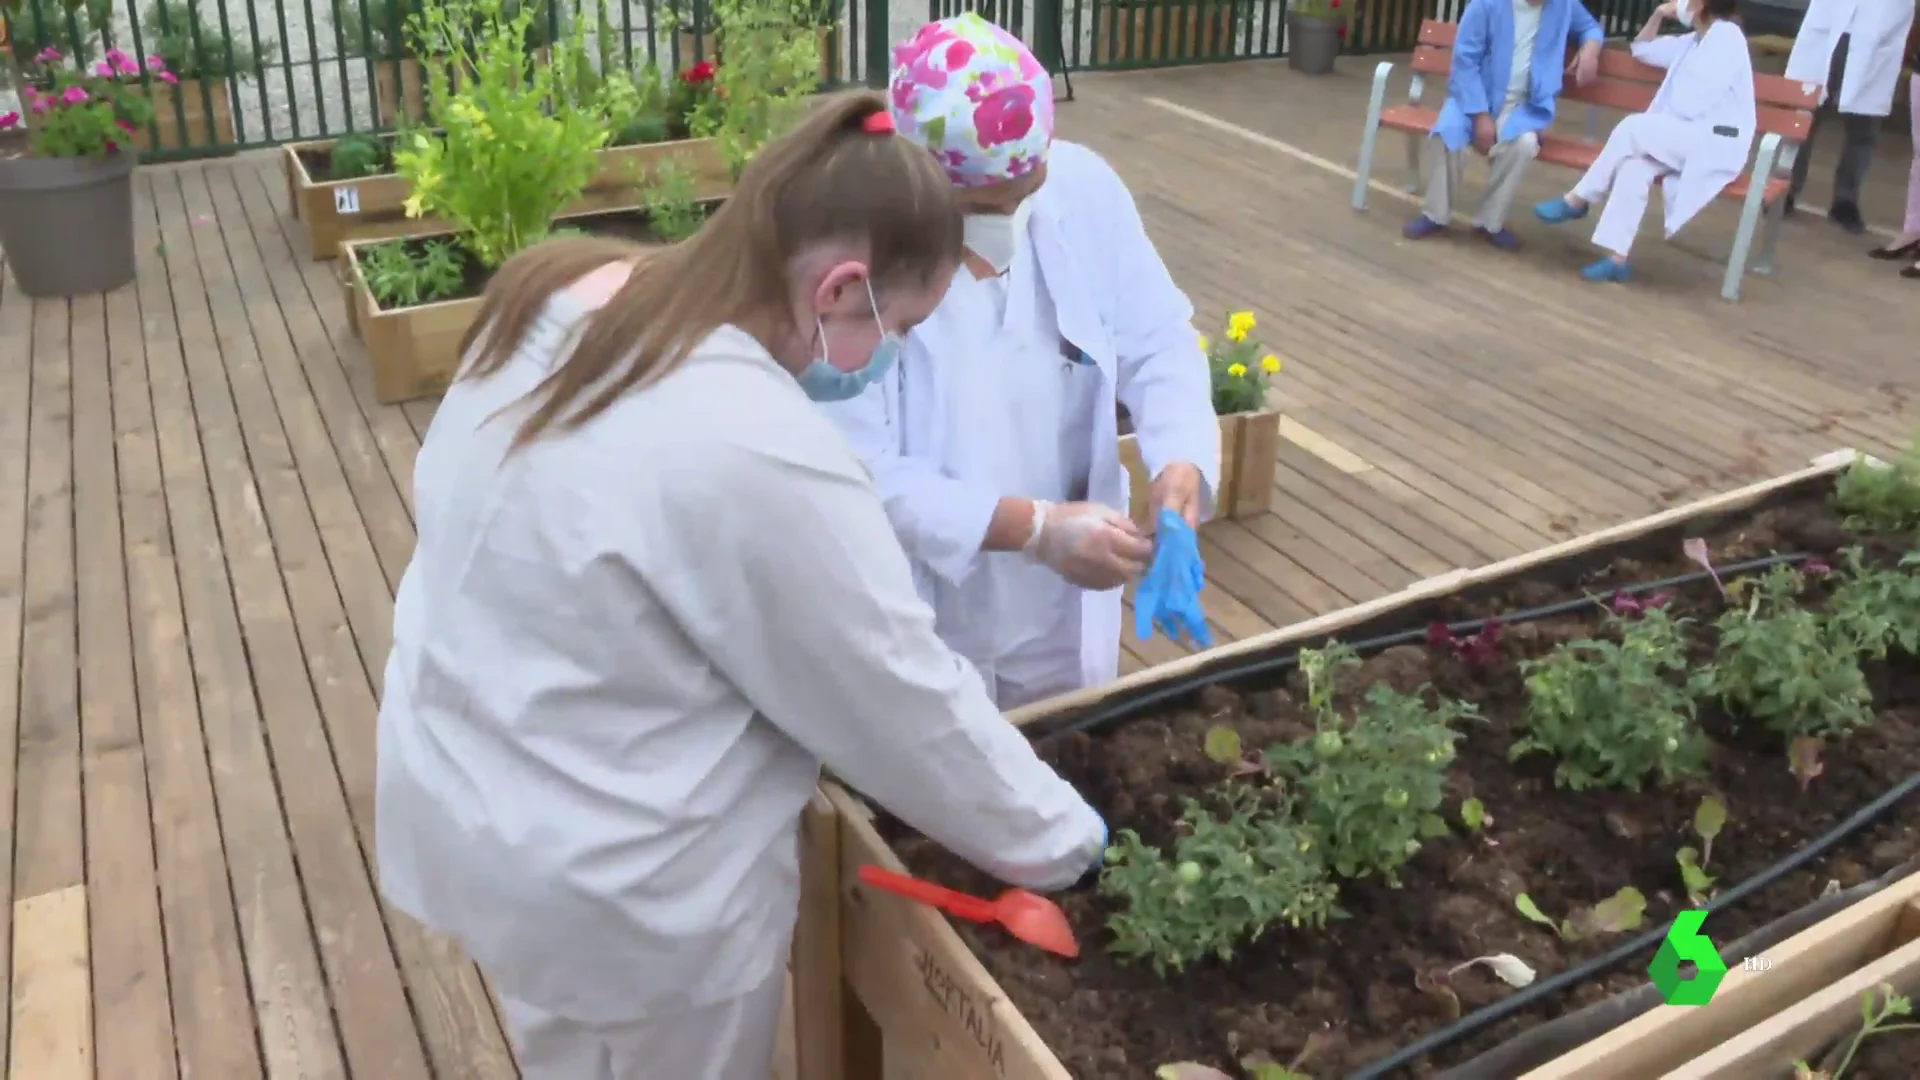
x,y
1416,176
1370,136
1750,210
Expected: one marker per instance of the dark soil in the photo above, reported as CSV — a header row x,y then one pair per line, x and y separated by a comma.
x,y
1351,985
1894,1056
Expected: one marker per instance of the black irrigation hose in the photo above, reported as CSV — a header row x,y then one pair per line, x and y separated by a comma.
x,y
1645,943
1132,707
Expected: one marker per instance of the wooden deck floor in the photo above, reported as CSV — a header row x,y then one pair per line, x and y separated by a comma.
x,y
204,513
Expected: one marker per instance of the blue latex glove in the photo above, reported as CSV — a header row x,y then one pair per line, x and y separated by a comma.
x,y
1169,596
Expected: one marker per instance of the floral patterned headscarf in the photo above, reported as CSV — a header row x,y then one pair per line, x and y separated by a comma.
x,y
974,95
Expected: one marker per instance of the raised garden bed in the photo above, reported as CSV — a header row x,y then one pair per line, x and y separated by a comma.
x,y
967,1002
415,349
373,207
1795,1002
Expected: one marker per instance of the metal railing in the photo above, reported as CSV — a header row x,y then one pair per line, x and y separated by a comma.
x,y
262,72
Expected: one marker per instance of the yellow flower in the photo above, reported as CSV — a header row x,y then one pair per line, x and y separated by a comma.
x,y
1270,364
1240,324
413,207
1204,343
1236,370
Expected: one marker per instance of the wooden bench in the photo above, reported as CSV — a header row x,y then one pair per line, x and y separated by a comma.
x,y
1785,115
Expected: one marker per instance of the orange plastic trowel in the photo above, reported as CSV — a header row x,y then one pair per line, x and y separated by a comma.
x,y
1032,918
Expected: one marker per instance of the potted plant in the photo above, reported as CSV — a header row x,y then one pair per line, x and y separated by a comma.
x,y
1137,32
1315,31
764,81
377,30
66,205
198,110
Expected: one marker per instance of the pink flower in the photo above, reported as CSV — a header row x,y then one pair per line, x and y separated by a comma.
x,y
104,70
48,55
126,127
74,95
122,63
1005,116
8,120
37,102
154,63
169,78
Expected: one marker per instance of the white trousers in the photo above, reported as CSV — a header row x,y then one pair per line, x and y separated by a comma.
x,y
1641,149
1507,163
731,1040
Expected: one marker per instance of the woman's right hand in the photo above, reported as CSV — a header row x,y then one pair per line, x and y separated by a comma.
x,y
1091,545
1669,11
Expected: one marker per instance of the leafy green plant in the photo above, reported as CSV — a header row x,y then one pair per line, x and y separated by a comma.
x,y
1877,609
1883,496
398,276
1880,1010
506,163
1785,667
673,212
355,156
1473,814
1372,788
196,48
1624,910
1228,880
377,29
73,28
1616,712
771,71
1708,819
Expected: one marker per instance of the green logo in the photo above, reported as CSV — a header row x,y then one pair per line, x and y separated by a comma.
x,y
1686,942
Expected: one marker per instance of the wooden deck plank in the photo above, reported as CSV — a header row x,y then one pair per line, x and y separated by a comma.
x,y
16,377
126,946
52,1004
213,1014
215,510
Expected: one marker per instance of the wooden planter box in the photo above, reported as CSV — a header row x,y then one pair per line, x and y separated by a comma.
x,y
1157,33
414,351
904,978
208,119
374,207
1760,1021
399,91
1249,453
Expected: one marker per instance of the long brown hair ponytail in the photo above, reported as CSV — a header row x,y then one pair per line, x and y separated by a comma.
x,y
829,180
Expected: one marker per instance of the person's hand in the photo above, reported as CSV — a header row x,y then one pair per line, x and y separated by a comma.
x,y
1177,488
1484,133
1670,11
1585,65
1091,545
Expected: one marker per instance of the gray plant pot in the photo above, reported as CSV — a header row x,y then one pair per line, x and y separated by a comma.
x,y
66,224
1312,43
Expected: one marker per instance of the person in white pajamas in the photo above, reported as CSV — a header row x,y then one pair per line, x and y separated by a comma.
x,y
1693,140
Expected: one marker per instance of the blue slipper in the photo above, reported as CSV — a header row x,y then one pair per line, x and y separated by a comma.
x,y
1422,227
1605,270
1555,211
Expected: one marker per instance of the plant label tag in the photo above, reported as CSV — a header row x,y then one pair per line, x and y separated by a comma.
x,y
346,200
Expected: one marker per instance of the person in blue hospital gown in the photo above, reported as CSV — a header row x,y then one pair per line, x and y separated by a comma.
x,y
994,442
655,591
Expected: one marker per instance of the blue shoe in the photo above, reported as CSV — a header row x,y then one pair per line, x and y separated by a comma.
x,y
1500,238
1422,227
1605,270
1555,211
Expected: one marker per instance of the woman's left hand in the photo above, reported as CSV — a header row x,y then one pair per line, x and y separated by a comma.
x,y
1177,488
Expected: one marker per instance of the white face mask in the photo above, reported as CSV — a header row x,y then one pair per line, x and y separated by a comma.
x,y
996,238
1683,13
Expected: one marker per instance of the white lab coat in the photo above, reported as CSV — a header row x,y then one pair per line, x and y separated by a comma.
x,y
621,657
1119,309
1878,43
1709,84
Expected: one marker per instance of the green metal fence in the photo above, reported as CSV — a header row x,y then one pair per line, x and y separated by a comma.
x,y
263,72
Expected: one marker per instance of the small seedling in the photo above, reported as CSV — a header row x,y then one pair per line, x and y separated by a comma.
x,y
1258,1066
1507,967
1624,910
1708,820
1223,745
1473,814
1878,1009
1695,548
1480,649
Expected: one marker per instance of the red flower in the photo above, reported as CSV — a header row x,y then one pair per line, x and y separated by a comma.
x,y
1004,115
701,72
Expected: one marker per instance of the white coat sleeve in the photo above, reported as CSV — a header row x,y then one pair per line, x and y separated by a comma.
x,y
1163,377
796,589
941,520
1702,84
1661,52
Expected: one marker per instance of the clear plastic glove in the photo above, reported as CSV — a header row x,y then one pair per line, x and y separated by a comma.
x,y
1091,545
1169,598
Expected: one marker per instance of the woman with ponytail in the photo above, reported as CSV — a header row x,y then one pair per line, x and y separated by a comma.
x,y
655,591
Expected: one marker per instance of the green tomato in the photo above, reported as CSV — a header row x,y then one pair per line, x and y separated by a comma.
x,y
1397,799
1188,873
1328,744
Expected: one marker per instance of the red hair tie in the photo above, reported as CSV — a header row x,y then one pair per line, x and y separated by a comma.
x,y
879,123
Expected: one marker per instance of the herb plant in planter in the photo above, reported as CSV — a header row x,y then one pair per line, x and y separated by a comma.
x,y
66,205
198,110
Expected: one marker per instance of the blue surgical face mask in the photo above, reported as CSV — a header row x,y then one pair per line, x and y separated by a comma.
x,y
823,382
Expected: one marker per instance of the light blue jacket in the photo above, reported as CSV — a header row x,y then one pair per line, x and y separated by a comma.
x,y
1483,62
